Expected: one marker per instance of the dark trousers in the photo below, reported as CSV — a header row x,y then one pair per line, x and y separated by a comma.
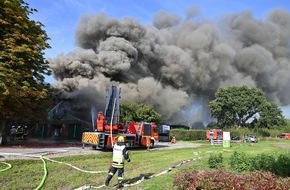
x,y
112,172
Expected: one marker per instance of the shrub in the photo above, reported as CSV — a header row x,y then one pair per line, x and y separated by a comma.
x,y
263,162
240,131
188,135
227,181
264,132
282,165
259,132
279,165
241,162
276,132
215,161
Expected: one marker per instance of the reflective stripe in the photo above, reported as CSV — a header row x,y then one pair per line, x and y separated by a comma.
x,y
118,165
118,162
90,138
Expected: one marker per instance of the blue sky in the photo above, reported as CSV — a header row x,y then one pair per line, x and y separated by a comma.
x,y
61,17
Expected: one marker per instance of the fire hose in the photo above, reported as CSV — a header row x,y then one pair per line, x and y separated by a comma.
x,y
111,123
143,177
9,166
45,173
44,167
43,158
79,169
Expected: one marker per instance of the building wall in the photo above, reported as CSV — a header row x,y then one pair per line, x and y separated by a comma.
x,y
69,129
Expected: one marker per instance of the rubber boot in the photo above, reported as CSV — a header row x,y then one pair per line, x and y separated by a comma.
x,y
120,185
108,180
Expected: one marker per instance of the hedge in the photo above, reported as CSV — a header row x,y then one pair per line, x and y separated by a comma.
x,y
187,135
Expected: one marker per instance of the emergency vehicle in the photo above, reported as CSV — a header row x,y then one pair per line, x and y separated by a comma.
x,y
108,127
215,134
285,135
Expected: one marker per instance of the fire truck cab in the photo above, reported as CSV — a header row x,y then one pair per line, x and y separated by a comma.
x,y
214,134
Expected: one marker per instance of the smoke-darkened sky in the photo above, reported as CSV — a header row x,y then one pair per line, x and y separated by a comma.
x,y
175,62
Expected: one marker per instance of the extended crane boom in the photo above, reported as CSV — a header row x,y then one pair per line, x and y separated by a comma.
x,y
109,122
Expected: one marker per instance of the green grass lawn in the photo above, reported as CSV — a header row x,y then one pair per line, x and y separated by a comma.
x,y
27,174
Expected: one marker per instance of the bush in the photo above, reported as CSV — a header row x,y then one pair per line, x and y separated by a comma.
x,y
279,165
215,161
188,135
259,132
240,131
282,165
227,181
263,162
264,132
191,135
241,162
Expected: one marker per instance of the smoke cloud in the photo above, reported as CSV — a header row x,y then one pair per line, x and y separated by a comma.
x,y
175,63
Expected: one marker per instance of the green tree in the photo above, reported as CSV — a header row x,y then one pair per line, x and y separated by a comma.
x,y
270,116
242,106
131,111
23,93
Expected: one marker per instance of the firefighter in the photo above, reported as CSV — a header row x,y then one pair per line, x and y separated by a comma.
x,y
19,132
120,154
13,133
25,132
211,137
173,140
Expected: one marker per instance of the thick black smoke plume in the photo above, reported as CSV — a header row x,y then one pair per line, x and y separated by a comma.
x,y
176,63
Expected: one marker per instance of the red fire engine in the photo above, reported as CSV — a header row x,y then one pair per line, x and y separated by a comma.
x,y
108,127
285,135
215,134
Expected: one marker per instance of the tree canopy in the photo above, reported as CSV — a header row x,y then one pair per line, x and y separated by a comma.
x,y
131,111
244,106
23,92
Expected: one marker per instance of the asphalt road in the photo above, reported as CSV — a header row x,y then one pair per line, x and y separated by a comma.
x,y
36,148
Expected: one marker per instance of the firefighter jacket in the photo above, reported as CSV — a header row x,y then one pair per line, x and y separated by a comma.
x,y
120,154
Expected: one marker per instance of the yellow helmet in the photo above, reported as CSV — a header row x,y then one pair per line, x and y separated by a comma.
x,y
121,139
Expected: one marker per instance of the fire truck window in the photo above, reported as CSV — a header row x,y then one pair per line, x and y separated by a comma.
x,y
147,129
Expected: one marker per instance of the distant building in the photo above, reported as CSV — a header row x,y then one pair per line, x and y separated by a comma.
x,y
61,124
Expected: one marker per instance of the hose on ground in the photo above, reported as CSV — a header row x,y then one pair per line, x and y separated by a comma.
x,y
142,178
32,156
45,173
7,168
43,158
93,172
